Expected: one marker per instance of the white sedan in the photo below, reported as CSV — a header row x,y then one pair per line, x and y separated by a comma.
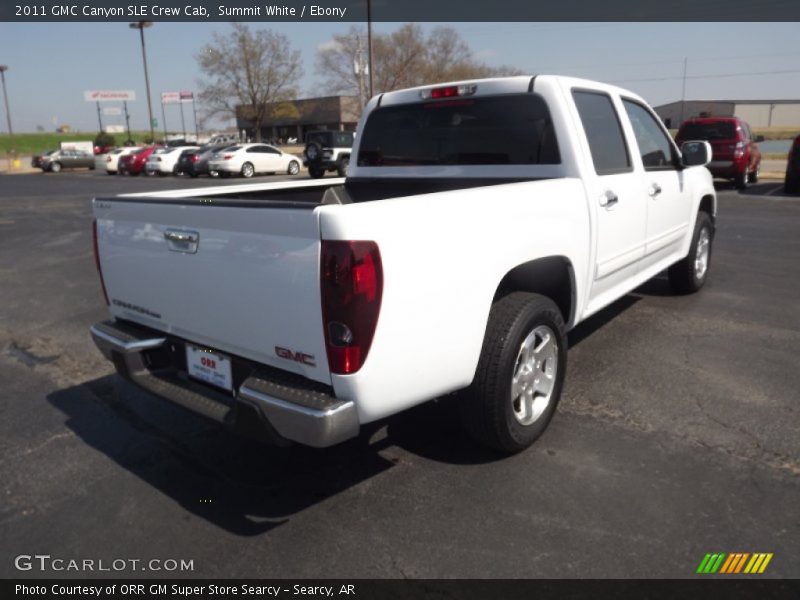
x,y
249,159
164,160
112,158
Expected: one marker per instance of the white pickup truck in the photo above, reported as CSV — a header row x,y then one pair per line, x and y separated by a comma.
x,y
478,223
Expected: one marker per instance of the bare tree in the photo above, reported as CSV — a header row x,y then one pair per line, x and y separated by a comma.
x,y
401,59
254,69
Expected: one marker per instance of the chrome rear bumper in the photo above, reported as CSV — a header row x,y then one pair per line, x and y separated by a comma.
x,y
293,407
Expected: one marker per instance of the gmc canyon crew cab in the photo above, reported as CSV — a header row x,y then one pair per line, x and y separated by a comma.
x,y
478,223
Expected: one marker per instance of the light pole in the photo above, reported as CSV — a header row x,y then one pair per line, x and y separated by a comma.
x,y
3,69
140,25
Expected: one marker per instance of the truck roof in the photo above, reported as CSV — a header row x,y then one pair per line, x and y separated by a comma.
x,y
518,84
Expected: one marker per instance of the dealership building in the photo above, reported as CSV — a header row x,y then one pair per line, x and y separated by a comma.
x,y
295,118
758,113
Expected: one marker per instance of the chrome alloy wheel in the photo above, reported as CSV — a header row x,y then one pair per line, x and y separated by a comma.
x,y
534,375
701,254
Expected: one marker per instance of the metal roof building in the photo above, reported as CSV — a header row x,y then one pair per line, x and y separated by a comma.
x,y
757,113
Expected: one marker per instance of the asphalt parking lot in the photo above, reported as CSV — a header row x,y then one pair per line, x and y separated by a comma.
x,y
678,434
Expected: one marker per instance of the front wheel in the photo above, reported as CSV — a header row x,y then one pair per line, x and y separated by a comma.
x,y
520,373
316,172
55,167
294,168
688,275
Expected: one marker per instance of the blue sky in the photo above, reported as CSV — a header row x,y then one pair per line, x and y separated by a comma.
x,y
52,63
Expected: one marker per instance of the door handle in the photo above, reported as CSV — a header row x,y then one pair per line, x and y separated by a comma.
x,y
655,190
608,199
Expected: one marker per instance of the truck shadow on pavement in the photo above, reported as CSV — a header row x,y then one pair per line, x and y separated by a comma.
x,y
245,486
241,485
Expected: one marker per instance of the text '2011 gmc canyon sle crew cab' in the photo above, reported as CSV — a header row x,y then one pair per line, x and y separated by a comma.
x,y
479,221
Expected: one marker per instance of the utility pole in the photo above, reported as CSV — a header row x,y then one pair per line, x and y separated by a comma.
x,y
683,91
183,123
99,118
140,25
3,69
127,120
358,69
369,45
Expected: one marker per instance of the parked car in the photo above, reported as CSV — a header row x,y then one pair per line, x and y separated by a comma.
x,y
164,161
249,159
133,164
736,154
480,222
328,151
37,160
792,181
56,160
113,156
195,162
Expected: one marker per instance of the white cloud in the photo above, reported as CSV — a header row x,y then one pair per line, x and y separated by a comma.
x,y
328,46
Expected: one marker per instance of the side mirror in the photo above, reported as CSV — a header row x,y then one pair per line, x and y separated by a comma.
x,y
695,154
759,138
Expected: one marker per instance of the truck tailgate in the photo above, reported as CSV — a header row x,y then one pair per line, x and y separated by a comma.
x,y
241,279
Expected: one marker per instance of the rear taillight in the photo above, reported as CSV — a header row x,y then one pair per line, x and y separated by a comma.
x,y
195,158
738,150
352,285
97,260
227,157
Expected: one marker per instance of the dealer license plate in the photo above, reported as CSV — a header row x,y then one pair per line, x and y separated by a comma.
x,y
209,366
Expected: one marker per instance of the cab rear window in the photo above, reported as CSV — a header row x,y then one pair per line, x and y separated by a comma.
x,y
492,130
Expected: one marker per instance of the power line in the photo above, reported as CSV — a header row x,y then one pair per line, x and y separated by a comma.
x,y
708,76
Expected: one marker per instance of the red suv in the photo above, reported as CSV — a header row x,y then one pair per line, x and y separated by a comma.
x,y
735,153
792,182
133,164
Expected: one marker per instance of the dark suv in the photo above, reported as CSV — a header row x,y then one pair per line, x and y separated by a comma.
x,y
735,153
792,181
327,151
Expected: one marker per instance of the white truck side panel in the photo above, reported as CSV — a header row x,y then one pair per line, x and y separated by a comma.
x,y
443,257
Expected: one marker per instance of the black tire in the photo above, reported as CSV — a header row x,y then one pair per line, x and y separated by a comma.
x,y
248,170
683,275
754,175
341,167
313,151
742,180
224,174
55,167
316,172
792,185
487,407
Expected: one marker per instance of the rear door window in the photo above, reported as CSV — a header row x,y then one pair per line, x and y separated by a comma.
x,y
603,132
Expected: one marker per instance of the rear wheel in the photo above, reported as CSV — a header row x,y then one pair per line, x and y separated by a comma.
x,y
248,170
520,373
742,180
341,168
792,185
294,168
688,275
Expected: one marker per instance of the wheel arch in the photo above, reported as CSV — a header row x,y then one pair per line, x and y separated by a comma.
x,y
551,276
